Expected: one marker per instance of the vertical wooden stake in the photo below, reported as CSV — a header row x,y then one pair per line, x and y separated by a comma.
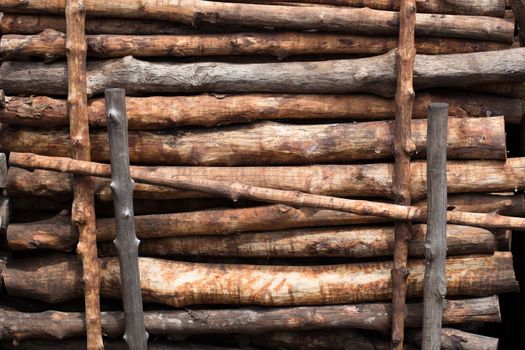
x,y
126,241
403,148
83,210
435,286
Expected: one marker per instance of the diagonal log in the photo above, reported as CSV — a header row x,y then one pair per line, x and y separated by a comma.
x,y
162,112
57,278
375,75
249,320
269,143
357,20
238,190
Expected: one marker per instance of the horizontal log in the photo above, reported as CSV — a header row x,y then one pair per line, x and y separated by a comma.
x,y
248,320
56,233
357,20
271,143
51,44
350,242
162,112
453,339
58,278
375,75
494,8
360,180
512,89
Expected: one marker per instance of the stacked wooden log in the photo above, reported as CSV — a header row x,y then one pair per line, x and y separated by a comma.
x,y
294,95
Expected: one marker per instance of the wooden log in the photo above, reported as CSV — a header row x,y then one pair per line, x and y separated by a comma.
x,y
271,143
3,170
13,23
434,289
518,8
375,75
83,210
248,320
126,241
512,89
50,44
236,190
351,242
494,8
56,233
5,215
163,112
357,20
360,180
454,339
57,278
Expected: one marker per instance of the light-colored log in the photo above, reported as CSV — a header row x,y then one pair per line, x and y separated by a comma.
x,y
57,278
269,143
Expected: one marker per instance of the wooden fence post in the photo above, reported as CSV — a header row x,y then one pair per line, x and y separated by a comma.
x,y
126,241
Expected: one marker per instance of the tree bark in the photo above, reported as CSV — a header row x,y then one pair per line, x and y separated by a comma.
x,y
404,147
518,7
248,320
83,211
494,8
455,339
56,233
359,180
512,89
163,112
50,44
351,242
434,289
374,75
236,190
126,241
269,143
3,170
5,215
357,20
57,278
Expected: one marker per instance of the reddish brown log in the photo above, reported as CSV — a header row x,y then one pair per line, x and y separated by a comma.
x,y
351,242
161,112
83,210
512,89
360,20
373,316
272,143
50,44
57,278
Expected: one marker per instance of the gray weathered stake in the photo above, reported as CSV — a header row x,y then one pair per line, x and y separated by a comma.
x,y
126,241
435,286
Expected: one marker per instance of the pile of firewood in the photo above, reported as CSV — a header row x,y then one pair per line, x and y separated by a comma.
x,y
294,95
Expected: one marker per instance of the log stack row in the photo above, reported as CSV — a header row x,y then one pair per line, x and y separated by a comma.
x,y
294,95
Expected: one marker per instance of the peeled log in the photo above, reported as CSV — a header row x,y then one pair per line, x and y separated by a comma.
x,y
271,143
349,242
252,320
474,7
50,44
323,18
58,278
376,75
454,339
162,112
359,180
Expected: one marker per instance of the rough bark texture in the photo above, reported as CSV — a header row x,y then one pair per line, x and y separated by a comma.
x,y
356,20
269,143
126,241
374,75
57,278
360,180
252,320
3,170
236,190
455,339
518,7
162,112
56,233
13,23
436,244
83,211
512,89
351,242
404,147
479,8
5,215
50,44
